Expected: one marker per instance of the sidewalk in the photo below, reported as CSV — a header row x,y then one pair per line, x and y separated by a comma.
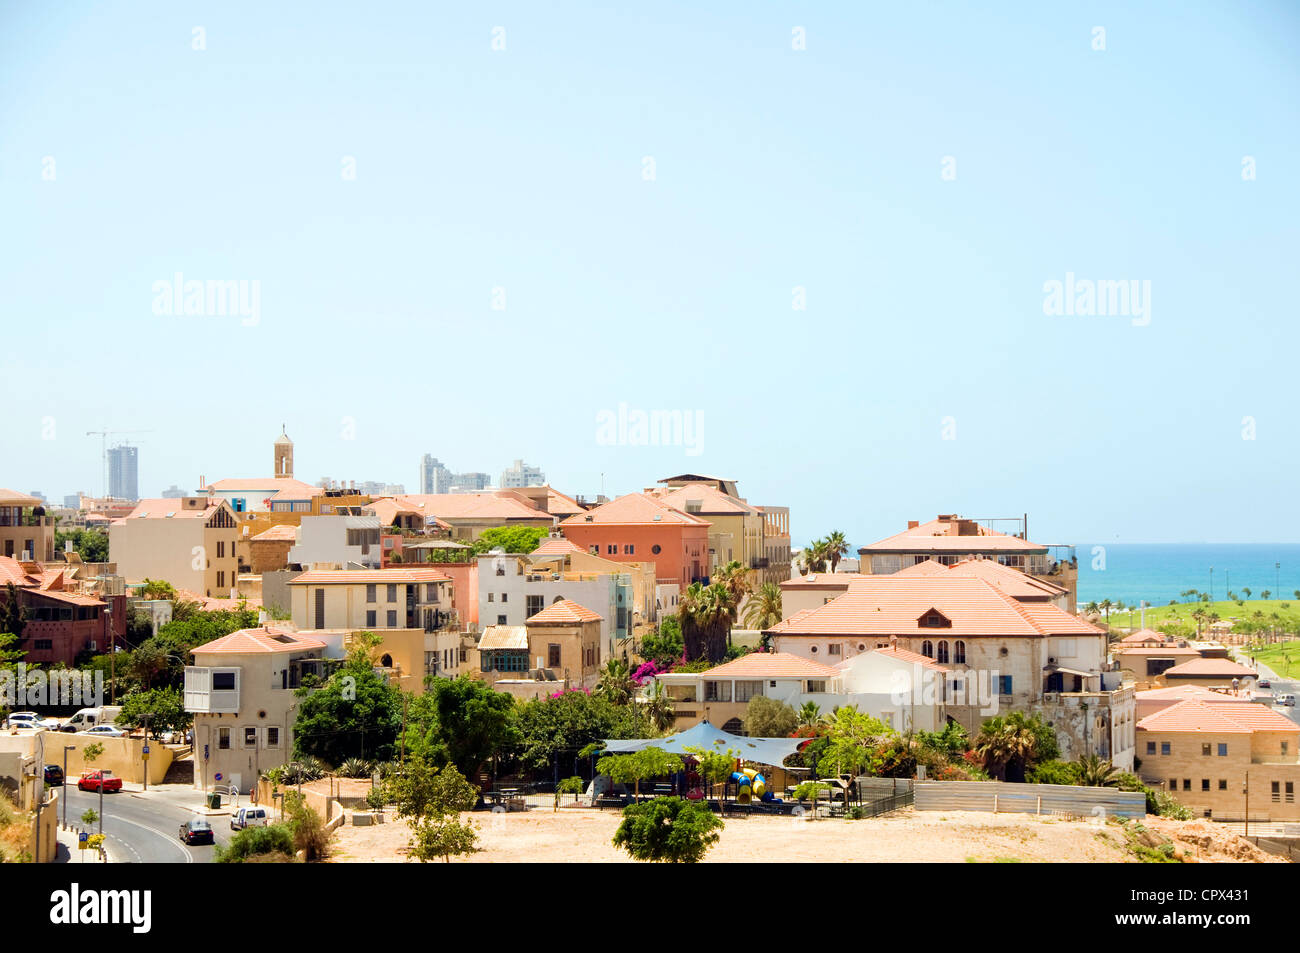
x,y
180,795
69,851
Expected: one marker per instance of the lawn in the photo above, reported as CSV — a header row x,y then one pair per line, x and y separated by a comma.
x,y
1287,609
1283,658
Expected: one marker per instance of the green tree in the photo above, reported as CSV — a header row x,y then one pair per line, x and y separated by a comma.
x,y
810,715
706,614
13,617
432,800
163,709
665,646
257,842
1010,745
657,708
511,539
769,718
462,721
1097,772
355,714
616,682
853,742
156,589
837,548
639,766
91,545
307,827
572,785
764,608
668,830
552,730
715,767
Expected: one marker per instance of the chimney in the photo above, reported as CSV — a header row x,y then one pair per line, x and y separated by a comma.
x,y
913,524
893,642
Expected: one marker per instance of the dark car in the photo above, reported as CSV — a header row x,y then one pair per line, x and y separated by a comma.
x,y
197,831
53,775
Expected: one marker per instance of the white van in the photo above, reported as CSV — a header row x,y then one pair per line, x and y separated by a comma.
x,y
90,717
249,817
1286,700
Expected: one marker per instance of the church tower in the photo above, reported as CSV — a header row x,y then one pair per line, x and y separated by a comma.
x,y
283,455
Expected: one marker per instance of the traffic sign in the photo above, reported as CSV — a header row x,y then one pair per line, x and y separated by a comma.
x,y
218,776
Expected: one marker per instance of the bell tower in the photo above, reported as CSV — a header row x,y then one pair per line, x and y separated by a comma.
x,y
283,455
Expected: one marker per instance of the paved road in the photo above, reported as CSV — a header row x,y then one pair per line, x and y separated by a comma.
x,y
144,828
1277,685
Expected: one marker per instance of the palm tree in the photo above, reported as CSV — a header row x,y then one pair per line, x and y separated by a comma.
x,y
1095,772
706,614
764,609
810,715
1106,605
1246,590
815,556
837,547
616,682
658,707
1092,609
738,582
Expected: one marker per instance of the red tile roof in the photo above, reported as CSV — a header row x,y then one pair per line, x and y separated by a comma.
x,y
821,580
903,655
253,641
556,547
712,502
894,605
166,508
14,498
564,612
940,535
1217,717
639,509
760,665
503,506
269,485
1211,668
285,532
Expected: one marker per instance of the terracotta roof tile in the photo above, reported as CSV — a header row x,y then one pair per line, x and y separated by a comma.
x,y
1217,717
1211,668
564,612
759,665
635,509
939,535
250,641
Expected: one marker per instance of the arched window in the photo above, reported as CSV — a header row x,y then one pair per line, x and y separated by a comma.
x,y
386,661
734,726
959,652
927,648
943,652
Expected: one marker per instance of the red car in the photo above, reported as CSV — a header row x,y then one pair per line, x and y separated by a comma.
x,y
94,780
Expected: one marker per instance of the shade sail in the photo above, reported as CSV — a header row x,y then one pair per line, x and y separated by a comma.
x,y
771,751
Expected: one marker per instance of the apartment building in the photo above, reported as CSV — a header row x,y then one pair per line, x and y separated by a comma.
x,y
409,608
63,622
25,529
949,539
1006,654
770,559
1217,756
188,542
639,527
735,527
240,690
337,542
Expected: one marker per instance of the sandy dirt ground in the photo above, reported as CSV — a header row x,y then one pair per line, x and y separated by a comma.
x,y
582,835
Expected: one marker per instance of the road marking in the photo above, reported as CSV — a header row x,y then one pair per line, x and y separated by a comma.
x,y
189,858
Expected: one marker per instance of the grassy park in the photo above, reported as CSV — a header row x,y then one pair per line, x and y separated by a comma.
x,y
1283,657
1258,611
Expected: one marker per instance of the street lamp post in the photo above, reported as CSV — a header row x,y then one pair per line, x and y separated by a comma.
x,y
1246,788
66,749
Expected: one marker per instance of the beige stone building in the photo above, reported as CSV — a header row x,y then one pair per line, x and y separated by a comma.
x,y
187,541
564,638
1212,755
25,528
240,690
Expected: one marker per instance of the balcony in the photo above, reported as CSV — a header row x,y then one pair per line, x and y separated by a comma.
x,y
211,690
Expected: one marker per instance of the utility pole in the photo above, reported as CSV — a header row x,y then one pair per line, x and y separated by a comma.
x,y
64,795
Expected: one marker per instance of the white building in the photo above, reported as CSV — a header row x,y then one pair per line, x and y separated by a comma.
x,y
520,475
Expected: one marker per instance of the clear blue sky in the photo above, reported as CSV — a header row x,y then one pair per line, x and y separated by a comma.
x,y
775,168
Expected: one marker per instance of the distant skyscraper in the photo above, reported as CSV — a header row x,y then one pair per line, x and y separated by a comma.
x,y
123,473
522,475
434,477
173,492
469,482
73,501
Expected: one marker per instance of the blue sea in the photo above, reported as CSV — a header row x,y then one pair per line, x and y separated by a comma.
x,y
1159,572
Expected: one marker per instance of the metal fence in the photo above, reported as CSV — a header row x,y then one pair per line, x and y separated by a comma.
x,y
1001,797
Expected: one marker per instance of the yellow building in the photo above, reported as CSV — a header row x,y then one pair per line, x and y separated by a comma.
x,y
24,527
187,541
735,530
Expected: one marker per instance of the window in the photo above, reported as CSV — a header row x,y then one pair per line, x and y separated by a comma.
x,y
45,643
959,652
656,549
1004,684
371,620
492,597
717,691
501,620
370,592
1205,784
747,690
250,737
431,592
927,648
943,652
816,685
1284,747
629,549
611,549
595,550
505,596
392,593
1187,784
223,739
552,655
392,618
1151,747
1223,784
1223,749
1290,792
1205,749
535,604
221,578
1164,747
272,736
934,620
1276,794
835,649
1173,784
223,681
221,549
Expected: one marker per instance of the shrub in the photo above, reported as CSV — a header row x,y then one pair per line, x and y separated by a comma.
x,y
307,828
668,830
1054,772
254,841
354,768
768,718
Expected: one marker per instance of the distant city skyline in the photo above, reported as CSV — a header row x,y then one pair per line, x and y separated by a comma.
x,y
872,262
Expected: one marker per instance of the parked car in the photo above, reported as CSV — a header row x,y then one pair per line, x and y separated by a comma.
x,y
90,717
1287,700
249,817
53,775
106,731
1265,683
197,831
95,780
27,719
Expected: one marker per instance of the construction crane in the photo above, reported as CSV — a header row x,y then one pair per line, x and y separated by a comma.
x,y
104,435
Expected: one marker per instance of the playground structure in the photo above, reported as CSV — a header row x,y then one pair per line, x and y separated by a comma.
x,y
750,785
